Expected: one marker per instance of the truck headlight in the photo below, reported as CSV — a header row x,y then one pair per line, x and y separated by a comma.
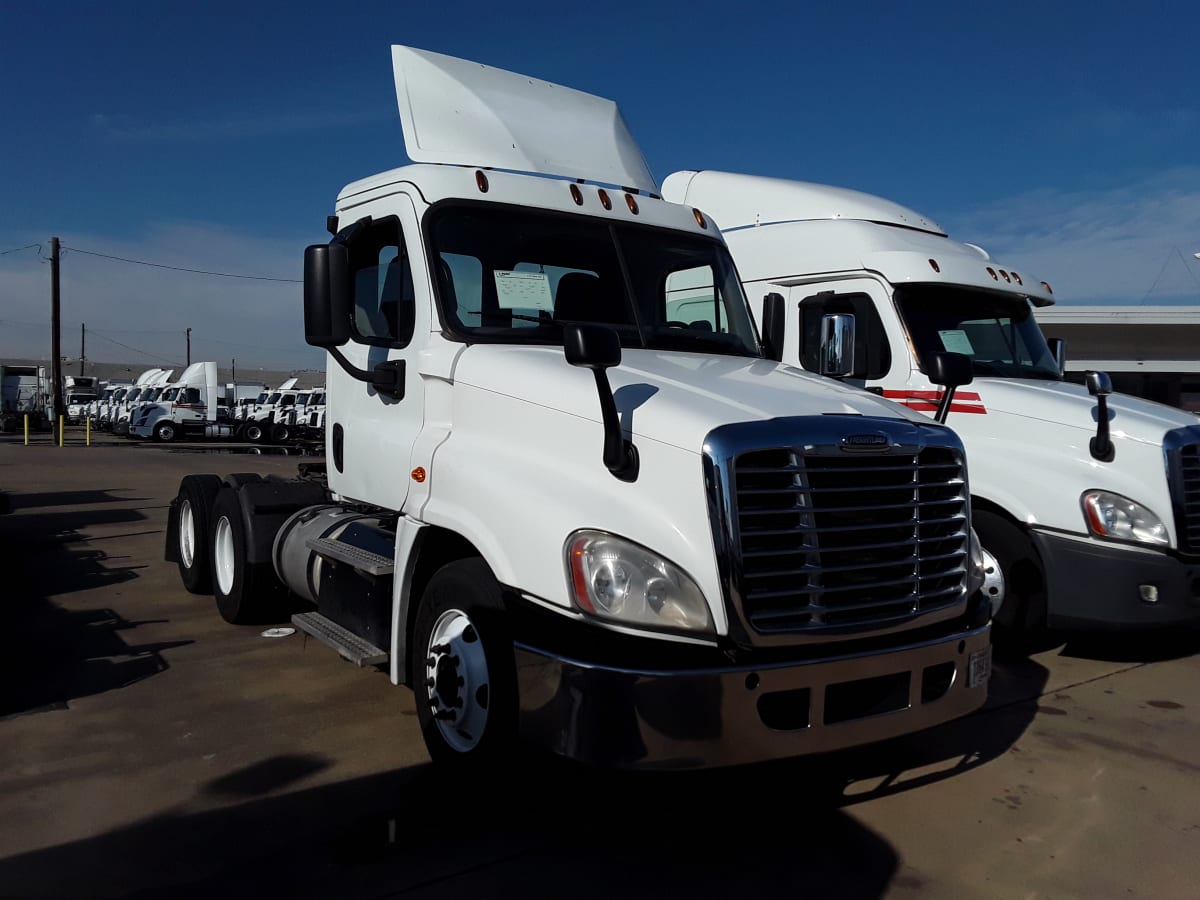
x,y
615,579
1118,518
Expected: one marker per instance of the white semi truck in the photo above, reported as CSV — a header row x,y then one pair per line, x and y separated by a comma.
x,y
1087,502
560,517
190,407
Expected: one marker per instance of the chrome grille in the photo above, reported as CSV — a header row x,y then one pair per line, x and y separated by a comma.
x,y
1189,495
838,541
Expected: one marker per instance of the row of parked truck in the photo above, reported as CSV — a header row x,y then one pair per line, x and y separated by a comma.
x,y
677,477
157,406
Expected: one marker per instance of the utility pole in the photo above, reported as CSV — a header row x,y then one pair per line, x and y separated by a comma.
x,y
189,346
55,329
82,345
233,377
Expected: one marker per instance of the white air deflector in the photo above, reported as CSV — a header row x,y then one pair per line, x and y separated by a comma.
x,y
463,113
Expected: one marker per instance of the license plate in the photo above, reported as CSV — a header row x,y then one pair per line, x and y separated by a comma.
x,y
980,668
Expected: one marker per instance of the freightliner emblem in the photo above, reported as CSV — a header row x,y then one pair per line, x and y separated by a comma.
x,y
852,443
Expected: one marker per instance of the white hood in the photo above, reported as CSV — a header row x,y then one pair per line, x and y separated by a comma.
x,y
675,398
1071,406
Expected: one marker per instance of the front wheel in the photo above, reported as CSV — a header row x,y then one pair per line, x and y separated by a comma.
x,y
1020,579
253,432
164,432
280,434
465,676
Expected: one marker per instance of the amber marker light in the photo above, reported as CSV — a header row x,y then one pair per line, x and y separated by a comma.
x,y
418,474
1049,290
699,218
992,272
933,265
604,201
1017,278
631,203
577,195
481,181
1004,275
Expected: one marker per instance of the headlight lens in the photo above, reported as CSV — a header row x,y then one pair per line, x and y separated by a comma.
x,y
616,579
1119,518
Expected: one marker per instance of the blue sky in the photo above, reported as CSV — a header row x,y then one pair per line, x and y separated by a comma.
x,y
1061,136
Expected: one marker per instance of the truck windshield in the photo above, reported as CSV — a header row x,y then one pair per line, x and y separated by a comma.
x,y
997,331
518,276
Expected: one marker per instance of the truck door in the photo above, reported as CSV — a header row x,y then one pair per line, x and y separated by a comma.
x,y
370,435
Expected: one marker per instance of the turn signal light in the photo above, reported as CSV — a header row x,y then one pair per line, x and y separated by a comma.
x,y
418,474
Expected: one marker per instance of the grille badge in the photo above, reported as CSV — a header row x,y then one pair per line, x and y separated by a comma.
x,y
858,443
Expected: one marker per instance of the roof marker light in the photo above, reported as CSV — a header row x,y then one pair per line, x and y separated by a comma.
x,y
577,195
481,181
1049,290
933,265
1004,275
699,218
631,203
604,201
1017,278
992,272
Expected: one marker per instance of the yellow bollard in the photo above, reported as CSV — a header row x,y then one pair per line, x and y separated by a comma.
x,y
88,430
60,431
26,429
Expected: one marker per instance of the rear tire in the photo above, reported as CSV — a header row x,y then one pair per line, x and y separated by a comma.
x,y
246,593
193,510
280,434
253,432
464,674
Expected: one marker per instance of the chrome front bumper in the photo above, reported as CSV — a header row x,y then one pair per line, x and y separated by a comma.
x,y
714,717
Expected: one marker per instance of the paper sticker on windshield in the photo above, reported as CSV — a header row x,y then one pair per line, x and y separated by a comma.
x,y
523,290
956,341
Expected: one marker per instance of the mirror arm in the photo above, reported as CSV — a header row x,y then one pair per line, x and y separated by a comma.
x,y
943,410
386,377
1101,446
620,455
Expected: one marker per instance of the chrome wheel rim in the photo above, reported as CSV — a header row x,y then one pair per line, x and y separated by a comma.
x,y
457,682
993,580
187,534
223,555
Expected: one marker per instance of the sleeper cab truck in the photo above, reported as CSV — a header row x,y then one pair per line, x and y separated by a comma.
x,y
189,408
566,520
1087,502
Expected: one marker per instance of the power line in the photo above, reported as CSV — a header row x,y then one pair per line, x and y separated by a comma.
x,y
142,262
19,249
137,350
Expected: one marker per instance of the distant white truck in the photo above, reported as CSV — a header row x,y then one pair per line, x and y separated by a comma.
x,y
24,392
79,392
1088,505
190,407
260,423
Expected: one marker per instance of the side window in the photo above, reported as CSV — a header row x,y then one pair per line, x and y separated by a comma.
x,y
193,395
872,357
693,300
384,302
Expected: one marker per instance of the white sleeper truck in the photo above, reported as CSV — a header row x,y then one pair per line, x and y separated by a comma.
x,y
189,408
564,519
1086,502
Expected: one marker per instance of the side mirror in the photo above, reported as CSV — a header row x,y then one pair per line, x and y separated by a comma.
x,y
837,344
591,347
774,326
1099,385
951,370
326,295
599,349
1058,348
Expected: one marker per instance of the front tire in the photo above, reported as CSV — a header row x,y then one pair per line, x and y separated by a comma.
x,y
280,434
164,432
465,675
1021,621
193,510
253,432
246,593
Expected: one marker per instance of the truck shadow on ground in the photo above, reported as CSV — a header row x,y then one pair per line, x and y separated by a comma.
x,y
1136,646
543,829
50,654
